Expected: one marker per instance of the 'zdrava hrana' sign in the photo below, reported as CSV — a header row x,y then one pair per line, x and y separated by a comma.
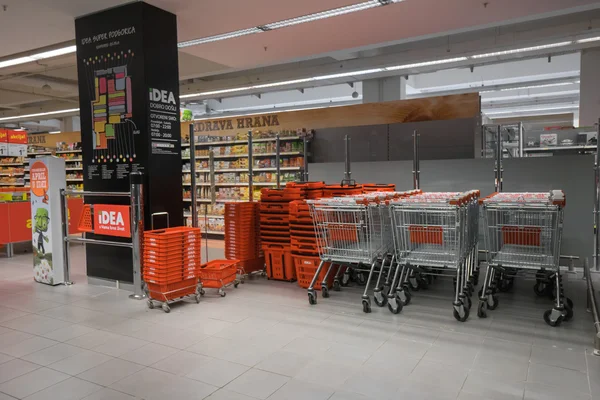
x,y
263,121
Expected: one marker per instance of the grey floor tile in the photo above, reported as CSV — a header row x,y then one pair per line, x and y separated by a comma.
x,y
80,362
10,339
4,358
418,390
258,384
182,363
69,389
284,363
212,346
570,359
404,348
108,394
504,367
68,333
119,346
110,372
343,395
416,334
14,368
449,379
308,346
6,397
210,326
149,354
491,387
28,346
248,354
71,313
566,378
298,390
217,372
223,394
327,373
32,382
35,324
540,391
92,339
372,384
10,313
53,354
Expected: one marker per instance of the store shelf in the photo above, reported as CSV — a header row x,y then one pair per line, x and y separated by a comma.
x,y
214,232
74,169
12,184
555,148
67,151
283,153
15,174
41,153
72,159
201,216
11,164
246,170
74,179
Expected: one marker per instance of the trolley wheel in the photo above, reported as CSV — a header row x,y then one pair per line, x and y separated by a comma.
x,y
366,306
236,284
345,279
469,302
336,285
423,282
361,279
553,321
166,308
395,309
150,304
465,315
197,297
481,310
429,279
568,306
539,288
414,284
480,293
494,304
569,302
324,292
222,293
504,285
202,292
312,297
407,297
380,299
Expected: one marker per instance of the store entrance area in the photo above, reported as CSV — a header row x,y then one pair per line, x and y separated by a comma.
x,y
264,341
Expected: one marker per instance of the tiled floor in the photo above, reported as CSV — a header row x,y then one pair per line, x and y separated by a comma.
x,y
264,341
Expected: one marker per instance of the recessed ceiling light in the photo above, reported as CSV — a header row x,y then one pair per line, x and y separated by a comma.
x,y
19,117
587,40
522,50
38,56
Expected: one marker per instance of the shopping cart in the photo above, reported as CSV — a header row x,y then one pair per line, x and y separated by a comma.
x,y
435,234
354,232
523,234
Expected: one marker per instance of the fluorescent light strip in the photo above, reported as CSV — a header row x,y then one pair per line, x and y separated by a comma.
x,y
222,36
587,40
292,21
38,56
325,77
71,110
522,50
531,87
515,111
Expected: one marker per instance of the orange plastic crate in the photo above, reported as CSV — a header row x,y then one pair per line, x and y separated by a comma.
x,y
306,267
426,234
525,236
251,265
279,263
218,269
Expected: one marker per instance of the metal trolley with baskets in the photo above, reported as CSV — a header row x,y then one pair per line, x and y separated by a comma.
x,y
354,232
523,234
435,234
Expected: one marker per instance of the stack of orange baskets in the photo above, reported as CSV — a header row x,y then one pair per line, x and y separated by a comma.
x,y
312,190
242,242
275,231
342,190
171,259
378,187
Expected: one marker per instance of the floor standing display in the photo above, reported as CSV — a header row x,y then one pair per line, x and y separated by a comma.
x,y
129,105
47,180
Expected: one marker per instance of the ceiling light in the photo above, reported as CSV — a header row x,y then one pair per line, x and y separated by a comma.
x,y
345,74
587,40
222,36
425,63
531,87
38,56
19,117
522,50
514,111
290,22
53,132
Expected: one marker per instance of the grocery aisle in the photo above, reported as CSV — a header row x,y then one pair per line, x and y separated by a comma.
x,y
265,341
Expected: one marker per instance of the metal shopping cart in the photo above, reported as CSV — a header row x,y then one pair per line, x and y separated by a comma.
x,y
523,234
435,234
354,232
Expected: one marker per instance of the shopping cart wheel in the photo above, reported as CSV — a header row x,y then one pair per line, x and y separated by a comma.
x,y
312,297
414,283
324,292
403,297
166,308
197,297
222,293
345,278
361,279
461,313
504,285
481,310
366,306
380,299
236,284
150,304
492,301
539,288
202,292
553,317
568,306
469,302
336,285
394,305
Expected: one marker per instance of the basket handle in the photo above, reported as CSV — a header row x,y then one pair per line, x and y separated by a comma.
x,y
157,214
348,182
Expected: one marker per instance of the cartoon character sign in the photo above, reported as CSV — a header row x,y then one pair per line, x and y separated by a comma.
x,y
40,226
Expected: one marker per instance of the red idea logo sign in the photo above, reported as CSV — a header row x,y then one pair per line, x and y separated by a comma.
x,y
112,220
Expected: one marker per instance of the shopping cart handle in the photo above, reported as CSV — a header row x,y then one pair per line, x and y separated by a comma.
x,y
348,182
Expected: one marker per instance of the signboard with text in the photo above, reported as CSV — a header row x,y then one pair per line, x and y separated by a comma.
x,y
3,142
112,220
17,143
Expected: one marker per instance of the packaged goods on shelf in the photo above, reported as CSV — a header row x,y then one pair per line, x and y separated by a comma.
x,y
214,224
11,160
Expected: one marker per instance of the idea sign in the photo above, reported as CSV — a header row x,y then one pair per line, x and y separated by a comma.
x,y
112,220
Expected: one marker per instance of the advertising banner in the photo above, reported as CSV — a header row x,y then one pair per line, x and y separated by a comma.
x,y
3,142
17,143
112,220
47,178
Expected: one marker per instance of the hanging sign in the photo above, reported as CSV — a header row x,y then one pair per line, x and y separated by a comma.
x,y
17,143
